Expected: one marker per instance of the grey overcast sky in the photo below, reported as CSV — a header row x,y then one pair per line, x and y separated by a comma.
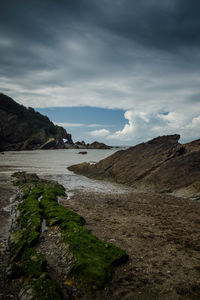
x,y
141,57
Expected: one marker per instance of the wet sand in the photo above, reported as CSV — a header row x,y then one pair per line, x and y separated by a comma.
x,y
159,232
7,191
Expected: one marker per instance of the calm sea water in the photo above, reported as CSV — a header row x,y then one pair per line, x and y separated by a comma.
x,y
52,164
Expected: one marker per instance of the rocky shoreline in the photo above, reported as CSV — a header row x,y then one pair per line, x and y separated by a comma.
x,y
159,232
53,144
86,262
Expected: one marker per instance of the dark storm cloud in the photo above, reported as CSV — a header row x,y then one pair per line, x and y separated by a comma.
x,y
160,24
128,54
195,98
165,25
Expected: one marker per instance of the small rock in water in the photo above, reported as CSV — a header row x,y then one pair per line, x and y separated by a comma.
x,y
82,152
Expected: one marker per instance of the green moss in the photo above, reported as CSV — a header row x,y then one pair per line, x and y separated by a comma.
x,y
29,224
57,214
25,260
18,244
33,263
56,189
27,238
93,260
29,219
44,288
37,191
22,178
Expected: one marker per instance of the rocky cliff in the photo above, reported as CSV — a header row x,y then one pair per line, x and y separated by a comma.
x,y
23,128
162,165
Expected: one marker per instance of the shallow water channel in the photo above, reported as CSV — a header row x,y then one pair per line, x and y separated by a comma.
x,y
52,164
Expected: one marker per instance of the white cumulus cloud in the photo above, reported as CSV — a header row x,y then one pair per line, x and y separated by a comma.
x,y
100,132
144,126
127,132
65,124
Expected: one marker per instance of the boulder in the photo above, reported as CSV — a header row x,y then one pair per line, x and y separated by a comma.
x,y
83,152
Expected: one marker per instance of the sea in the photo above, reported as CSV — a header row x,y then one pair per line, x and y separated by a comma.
x,y
53,165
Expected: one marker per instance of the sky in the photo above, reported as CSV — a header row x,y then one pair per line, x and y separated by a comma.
x,y
116,71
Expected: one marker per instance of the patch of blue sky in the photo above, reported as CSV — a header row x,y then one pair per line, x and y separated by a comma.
x,y
81,121
85,115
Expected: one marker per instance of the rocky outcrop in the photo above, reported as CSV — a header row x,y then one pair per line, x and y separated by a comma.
x,y
161,164
83,145
23,128
80,145
97,145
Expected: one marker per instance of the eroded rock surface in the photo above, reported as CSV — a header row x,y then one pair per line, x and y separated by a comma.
x,y
161,164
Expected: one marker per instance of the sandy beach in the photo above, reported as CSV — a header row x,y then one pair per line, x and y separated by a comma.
x,y
160,233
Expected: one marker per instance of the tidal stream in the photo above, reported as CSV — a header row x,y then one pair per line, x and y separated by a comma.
x,y
52,165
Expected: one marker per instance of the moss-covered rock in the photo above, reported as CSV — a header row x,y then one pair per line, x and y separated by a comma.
x,y
25,261
33,263
94,259
91,260
44,288
57,214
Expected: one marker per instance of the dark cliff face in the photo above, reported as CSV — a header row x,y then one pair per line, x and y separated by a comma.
x,y
24,128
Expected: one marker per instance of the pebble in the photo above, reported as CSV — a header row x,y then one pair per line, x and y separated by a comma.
x,y
112,240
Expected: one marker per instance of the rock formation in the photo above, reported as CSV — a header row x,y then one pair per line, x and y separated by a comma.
x,y
94,145
83,152
161,164
23,128
97,145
